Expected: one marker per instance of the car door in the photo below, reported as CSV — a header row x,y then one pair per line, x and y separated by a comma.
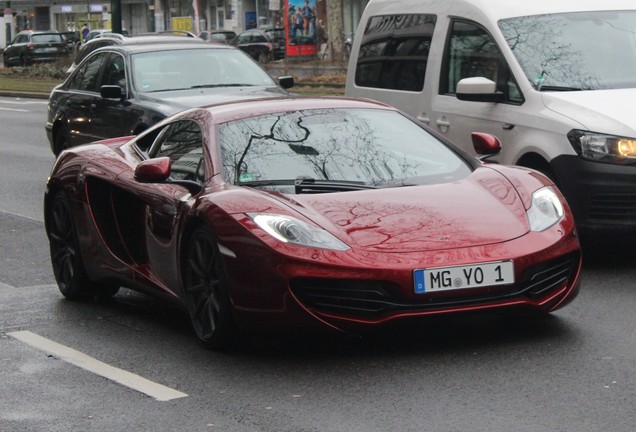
x,y
471,51
113,117
13,51
76,103
168,203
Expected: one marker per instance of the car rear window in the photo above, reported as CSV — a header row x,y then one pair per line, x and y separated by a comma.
x,y
46,38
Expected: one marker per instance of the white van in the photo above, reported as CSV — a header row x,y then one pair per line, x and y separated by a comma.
x,y
555,80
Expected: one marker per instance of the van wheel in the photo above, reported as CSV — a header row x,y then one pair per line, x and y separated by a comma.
x,y
536,162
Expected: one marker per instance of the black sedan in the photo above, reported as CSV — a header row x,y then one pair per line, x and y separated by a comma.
x,y
121,90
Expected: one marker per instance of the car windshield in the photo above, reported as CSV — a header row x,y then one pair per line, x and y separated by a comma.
x,y
180,69
361,146
575,51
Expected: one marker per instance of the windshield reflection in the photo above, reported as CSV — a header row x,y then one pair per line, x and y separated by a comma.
x,y
166,70
575,51
370,147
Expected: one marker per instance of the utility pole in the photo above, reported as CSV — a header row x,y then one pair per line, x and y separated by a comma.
x,y
115,13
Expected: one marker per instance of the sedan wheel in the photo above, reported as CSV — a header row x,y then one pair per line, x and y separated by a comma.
x,y
207,291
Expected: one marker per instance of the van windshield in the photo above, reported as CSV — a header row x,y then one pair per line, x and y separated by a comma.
x,y
575,51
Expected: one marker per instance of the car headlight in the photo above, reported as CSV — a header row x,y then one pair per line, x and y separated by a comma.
x,y
291,230
603,148
546,209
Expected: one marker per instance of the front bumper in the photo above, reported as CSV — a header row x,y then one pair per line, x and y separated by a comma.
x,y
602,196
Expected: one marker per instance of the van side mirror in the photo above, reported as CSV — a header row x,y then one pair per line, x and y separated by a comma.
x,y
478,89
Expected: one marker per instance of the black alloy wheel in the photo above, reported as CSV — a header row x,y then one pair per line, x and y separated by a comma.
x,y
207,291
67,264
68,268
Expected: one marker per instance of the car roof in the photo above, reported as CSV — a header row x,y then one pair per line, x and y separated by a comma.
x,y
227,111
497,9
167,46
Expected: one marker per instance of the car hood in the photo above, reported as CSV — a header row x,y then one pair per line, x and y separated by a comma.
x,y
604,111
171,102
482,209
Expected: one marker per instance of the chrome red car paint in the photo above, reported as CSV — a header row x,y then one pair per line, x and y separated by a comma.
x,y
487,214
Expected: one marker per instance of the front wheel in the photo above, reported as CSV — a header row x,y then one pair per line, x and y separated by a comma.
x,y
207,292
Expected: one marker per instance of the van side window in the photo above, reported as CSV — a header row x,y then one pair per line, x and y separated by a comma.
x,y
394,52
471,52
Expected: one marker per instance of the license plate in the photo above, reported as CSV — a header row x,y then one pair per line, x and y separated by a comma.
x,y
461,277
50,49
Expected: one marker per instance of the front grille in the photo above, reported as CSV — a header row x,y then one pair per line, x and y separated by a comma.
x,y
374,299
613,206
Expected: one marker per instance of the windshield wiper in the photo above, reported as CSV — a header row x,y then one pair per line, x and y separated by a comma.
x,y
310,185
542,87
221,85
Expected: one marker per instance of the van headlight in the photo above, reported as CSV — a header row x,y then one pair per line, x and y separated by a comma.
x,y
546,209
291,230
603,148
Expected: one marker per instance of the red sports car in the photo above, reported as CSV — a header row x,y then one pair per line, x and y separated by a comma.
x,y
305,212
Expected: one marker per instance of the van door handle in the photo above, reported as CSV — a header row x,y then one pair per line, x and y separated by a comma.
x,y
423,119
443,123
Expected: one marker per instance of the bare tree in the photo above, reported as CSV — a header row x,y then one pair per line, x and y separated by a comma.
x,y
335,29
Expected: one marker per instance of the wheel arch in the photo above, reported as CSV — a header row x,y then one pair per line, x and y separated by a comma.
x,y
537,162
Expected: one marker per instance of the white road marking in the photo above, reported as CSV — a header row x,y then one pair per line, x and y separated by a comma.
x,y
128,379
14,109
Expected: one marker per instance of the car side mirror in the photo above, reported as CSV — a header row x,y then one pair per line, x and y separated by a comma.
x,y
478,89
110,92
485,145
286,82
155,170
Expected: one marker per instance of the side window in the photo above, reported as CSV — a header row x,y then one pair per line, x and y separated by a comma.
x,y
115,72
471,52
182,142
86,77
394,52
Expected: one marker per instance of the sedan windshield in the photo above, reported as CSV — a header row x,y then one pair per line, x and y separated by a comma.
x,y
350,148
575,51
167,70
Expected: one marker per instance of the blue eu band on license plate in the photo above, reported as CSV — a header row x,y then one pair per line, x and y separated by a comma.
x,y
461,277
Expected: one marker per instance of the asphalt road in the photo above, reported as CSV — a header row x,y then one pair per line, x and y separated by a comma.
x,y
572,371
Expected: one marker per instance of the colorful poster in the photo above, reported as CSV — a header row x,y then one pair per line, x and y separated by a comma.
x,y
300,18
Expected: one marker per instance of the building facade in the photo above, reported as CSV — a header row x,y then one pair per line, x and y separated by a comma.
x,y
142,16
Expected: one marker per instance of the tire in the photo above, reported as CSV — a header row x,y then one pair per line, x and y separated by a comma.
x,y
68,267
67,263
60,141
206,290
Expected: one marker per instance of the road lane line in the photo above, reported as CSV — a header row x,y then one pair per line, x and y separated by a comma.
x,y
125,378
14,109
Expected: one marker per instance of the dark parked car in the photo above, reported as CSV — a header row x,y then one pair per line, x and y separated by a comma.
x,y
337,214
73,39
123,89
30,47
223,36
108,39
262,45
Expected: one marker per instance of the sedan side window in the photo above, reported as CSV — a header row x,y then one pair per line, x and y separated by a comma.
x,y
86,77
471,52
115,72
183,144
